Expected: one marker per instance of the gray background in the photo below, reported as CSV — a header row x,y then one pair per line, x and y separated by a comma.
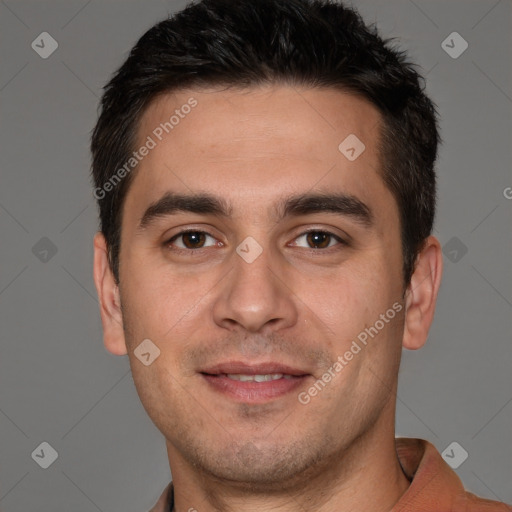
x,y
57,382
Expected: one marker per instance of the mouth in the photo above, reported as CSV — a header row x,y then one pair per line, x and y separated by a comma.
x,y
253,383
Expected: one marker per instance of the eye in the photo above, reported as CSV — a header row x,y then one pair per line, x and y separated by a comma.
x,y
190,239
319,239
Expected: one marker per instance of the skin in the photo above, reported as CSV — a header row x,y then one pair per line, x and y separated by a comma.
x,y
293,304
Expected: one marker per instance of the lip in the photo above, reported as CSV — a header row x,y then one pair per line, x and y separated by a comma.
x,y
252,369
250,391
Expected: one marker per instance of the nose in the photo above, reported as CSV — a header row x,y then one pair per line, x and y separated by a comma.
x,y
256,295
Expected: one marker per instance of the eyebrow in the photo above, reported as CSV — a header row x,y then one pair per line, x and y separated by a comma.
x,y
291,206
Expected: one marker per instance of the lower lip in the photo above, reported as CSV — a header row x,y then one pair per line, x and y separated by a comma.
x,y
251,391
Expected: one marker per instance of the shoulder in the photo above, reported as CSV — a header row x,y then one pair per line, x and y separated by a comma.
x,y
434,484
477,504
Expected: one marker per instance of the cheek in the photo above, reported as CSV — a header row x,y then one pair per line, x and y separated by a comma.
x,y
155,300
160,392
347,298
347,305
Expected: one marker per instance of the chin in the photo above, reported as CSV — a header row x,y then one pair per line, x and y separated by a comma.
x,y
262,467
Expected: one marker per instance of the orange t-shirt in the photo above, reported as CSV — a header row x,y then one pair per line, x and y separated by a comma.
x,y
435,487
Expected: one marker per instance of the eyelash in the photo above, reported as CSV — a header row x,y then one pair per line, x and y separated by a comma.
x,y
179,250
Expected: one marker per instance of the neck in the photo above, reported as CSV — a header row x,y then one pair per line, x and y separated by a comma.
x,y
364,476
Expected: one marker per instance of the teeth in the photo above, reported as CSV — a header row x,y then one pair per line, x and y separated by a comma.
x,y
257,378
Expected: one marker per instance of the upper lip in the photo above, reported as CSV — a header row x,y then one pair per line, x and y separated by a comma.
x,y
239,367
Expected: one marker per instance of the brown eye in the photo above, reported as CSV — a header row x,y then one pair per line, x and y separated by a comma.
x,y
190,240
193,239
319,239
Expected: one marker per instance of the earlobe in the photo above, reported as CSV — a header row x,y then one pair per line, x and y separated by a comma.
x,y
110,302
421,295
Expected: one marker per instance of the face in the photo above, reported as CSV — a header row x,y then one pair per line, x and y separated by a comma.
x,y
267,279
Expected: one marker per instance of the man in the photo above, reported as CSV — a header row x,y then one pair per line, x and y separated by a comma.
x,y
265,177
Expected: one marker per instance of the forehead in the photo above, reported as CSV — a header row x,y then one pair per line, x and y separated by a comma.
x,y
258,144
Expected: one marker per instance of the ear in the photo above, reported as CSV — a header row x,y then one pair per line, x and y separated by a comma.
x,y
110,302
421,294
